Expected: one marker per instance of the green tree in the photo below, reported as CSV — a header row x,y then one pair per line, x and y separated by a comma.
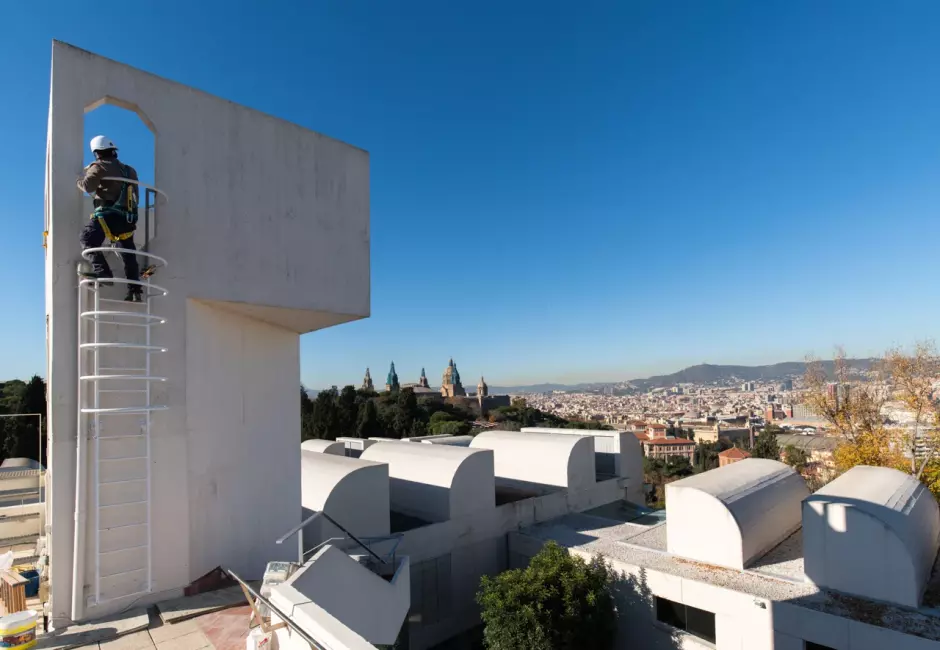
x,y
795,458
441,416
368,424
347,411
325,415
558,602
765,446
452,427
306,415
20,436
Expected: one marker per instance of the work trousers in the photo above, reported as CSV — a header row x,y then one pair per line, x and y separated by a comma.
x,y
93,237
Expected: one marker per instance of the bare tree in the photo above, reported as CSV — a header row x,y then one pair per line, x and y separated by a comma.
x,y
912,379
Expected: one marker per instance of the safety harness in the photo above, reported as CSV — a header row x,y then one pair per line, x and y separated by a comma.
x,y
125,205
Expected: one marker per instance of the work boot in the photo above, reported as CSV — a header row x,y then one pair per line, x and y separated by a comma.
x,y
134,294
104,279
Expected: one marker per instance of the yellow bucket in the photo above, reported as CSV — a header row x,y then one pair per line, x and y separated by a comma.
x,y
18,631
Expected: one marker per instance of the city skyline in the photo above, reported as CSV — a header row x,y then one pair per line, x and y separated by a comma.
x,y
615,192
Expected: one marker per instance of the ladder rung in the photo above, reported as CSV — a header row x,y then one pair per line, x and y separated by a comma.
x,y
127,480
122,346
124,369
129,548
124,526
126,410
123,458
118,505
100,601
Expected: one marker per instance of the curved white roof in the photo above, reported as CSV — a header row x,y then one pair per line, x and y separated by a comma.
x,y
436,482
353,491
872,532
324,446
733,515
542,458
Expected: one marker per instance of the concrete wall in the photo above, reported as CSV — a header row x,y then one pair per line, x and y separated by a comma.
x,y
351,490
436,482
448,558
243,422
26,520
540,459
309,270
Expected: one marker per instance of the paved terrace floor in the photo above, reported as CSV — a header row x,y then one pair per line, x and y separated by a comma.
x,y
221,630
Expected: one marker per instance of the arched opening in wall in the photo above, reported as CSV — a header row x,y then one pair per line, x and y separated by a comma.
x,y
134,135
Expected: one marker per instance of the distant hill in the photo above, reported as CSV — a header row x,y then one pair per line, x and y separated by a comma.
x,y
704,373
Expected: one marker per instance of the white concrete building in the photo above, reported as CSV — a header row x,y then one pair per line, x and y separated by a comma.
x,y
872,532
548,461
435,483
616,453
450,543
152,489
334,447
672,593
731,517
353,491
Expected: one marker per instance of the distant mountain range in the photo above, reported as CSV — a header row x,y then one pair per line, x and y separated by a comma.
x,y
704,373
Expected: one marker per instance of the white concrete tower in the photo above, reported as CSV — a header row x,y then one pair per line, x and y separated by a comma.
x,y
265,228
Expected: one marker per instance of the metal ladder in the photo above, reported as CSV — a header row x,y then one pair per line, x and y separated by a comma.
x,y
115,391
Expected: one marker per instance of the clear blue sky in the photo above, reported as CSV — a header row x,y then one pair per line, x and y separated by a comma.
x,y
560,191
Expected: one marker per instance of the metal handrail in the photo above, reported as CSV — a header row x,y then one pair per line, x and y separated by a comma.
x,y
87,253
136,182
300,527
316,645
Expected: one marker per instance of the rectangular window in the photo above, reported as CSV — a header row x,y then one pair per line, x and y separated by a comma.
x,y
809,645
695,621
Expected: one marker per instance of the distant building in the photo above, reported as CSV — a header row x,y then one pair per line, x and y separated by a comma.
x,y
748,386
391,381
668,448
785,385
367,384
656,431
450,382
732,455
423,380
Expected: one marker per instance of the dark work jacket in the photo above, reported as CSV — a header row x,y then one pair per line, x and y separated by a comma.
x,y
106,192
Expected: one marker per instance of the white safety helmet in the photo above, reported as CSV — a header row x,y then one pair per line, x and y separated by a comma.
x,y
101,143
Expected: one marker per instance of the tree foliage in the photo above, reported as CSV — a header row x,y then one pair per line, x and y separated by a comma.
x,y
795,458
765,445
853,405
20,436
558,602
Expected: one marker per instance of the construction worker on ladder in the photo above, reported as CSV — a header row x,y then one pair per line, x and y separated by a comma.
x,y
115,215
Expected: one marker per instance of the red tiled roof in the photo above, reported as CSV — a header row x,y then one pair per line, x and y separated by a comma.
x,y
658,426
641,436
670,441
734,452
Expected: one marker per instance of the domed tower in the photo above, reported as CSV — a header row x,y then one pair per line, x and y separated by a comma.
x,y
450,382
482,392
423,381
391,382
367,382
